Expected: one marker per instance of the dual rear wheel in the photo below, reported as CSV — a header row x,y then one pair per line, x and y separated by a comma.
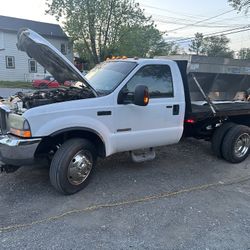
x,y
231,142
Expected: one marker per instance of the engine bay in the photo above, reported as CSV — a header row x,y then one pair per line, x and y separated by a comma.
x,y
22,101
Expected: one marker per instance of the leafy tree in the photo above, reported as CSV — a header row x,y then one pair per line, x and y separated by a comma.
x,y
197,44
218,46
244,53
240,4
136,41
103,27
163,48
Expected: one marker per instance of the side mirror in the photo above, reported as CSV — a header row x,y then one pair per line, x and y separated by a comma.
x,y
141,96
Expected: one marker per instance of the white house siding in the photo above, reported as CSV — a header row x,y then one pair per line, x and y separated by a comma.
x,y
21,71
1,41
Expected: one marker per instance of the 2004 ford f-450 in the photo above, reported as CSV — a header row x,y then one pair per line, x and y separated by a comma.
x,y
122,105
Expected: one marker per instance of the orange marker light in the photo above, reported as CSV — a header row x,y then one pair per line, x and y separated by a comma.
x,y
146,97
21,133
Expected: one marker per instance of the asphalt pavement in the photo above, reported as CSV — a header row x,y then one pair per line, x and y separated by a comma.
x,y
185,199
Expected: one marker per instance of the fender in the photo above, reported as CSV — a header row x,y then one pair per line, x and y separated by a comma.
x,y
61,124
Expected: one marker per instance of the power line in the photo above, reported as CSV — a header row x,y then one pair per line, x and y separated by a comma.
x,y
201,21
214,33
231,18
183,21
228,32
166,21
207,36
173,12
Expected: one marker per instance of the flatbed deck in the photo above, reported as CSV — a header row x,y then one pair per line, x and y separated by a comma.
x,y
222,109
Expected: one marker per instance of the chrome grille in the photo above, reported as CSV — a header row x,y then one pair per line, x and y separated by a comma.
x,y
3,120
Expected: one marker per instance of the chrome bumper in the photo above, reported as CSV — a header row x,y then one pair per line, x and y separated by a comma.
x,y
16,151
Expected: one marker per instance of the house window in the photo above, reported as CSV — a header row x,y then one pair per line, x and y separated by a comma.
x,y
10,62
63,48
32,66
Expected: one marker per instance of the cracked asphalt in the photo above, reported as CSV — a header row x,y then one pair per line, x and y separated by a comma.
x,y
185,199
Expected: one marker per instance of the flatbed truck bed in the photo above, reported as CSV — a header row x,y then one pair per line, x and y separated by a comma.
x,y
200,112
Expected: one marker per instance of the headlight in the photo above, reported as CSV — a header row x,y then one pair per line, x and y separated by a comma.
x,y
19,126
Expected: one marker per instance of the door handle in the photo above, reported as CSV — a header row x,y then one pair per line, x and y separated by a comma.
x,y
169,107
176,109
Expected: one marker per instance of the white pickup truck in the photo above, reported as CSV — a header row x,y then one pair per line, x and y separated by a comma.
x,y
121,105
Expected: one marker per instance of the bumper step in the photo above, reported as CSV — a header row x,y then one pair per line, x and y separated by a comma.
x,y
143,155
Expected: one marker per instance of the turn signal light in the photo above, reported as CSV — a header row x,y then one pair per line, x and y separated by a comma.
x,y
20,133
146,98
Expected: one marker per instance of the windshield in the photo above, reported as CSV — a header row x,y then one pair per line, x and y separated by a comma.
x,y
105,77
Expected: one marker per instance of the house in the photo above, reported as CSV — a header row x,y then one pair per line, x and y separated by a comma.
x,y
16,65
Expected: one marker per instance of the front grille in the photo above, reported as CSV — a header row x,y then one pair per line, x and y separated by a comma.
x,y
3,120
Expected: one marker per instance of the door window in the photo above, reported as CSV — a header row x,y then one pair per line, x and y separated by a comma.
x,y
157,78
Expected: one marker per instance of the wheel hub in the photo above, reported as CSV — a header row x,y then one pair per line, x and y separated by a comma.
x,y
242,145
80,167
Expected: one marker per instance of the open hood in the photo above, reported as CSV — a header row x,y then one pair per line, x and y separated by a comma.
x,y
49,57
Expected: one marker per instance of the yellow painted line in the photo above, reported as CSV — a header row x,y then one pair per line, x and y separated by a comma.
x,y
123,203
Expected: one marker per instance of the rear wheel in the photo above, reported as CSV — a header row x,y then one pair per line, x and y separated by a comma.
x,y
72,165
236,144
219,136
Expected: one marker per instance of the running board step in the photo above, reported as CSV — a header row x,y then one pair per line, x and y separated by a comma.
x,y
143,155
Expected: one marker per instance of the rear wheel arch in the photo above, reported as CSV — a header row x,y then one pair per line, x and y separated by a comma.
x,y
218,137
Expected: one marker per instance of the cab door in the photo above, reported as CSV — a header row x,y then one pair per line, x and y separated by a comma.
x,y
161,121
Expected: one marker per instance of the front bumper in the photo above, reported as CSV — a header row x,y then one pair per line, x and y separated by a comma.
x,y
16,151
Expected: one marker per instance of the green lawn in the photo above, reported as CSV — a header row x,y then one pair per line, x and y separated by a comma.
x,y
24,85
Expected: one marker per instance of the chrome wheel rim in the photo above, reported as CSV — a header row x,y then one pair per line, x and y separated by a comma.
x,y
80,167
242,145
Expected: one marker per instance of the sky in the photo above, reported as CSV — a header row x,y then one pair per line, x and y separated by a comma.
x,y
179,18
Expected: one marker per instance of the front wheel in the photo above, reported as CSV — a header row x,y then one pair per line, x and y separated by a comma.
x,y
72,165
236,144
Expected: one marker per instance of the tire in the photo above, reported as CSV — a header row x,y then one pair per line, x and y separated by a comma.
x,y
218,138
236,144
72,165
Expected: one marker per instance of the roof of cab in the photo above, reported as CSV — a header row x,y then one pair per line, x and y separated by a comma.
x,y
141,60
